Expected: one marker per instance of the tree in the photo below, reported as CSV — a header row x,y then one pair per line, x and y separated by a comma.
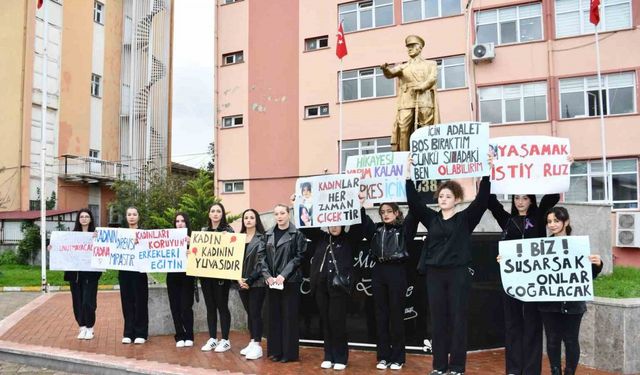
x,y
211,165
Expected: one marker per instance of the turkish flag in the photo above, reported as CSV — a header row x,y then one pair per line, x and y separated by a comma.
x,y
341,44
594,12
40,4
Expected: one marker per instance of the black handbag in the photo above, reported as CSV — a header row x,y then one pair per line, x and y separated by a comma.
x,y
340,282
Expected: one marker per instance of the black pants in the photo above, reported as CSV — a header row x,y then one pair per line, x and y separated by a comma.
x,y
84,293
448,294
523,337
389,286
180,289
562,328
134,296
282,340
252,301
332,304
216,298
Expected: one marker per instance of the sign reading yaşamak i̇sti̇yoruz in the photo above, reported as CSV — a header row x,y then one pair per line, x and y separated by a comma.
x,y
72,251
327,200
530,165
382,175
156,250
547,269
447,151
216,255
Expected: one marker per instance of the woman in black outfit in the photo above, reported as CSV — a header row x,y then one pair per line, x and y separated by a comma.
x,y
389,241
216,291
562,319
445,258
285,248
180,288
523,325
252,290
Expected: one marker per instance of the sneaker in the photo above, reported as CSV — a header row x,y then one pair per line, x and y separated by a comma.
x,y
246,348
339,366
326,364
436,372
126,340
81,333
396,366
382,365
188,343
223,346
139,340
456,373
210,345
88,334
180,344
255,351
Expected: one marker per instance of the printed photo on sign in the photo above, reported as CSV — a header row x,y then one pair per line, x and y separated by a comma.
x,y
327,200
547,269
447,151
115,249
530,165
162,250
71,251
382,175
216,254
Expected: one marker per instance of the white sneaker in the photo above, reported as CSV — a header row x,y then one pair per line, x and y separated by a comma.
x,y
88,334
188,343
210,345
396,366
139,340
81,333
223,346
180,344
326,364
255,351
126,340
382,365
339,366
246,348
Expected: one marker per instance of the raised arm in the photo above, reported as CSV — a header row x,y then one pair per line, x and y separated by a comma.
x,y
391,71
314,234
368,226
497,210
417,208
546,203
479,205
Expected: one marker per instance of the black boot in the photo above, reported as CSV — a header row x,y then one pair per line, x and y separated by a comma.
x,y
556,371
569,371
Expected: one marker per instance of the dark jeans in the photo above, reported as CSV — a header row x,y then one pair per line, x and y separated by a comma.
x,y
180,288
84,293
252,301
523,337
216,298
282,340
562,328
332,304
389,285
134,296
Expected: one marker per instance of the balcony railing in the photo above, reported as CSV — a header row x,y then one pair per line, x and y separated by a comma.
x,y
89,170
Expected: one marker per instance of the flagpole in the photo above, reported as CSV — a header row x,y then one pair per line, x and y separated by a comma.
x,y
340,122
605,179
43,151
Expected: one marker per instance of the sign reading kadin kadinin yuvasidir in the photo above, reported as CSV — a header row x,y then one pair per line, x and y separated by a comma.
x,y
216,254
327,200
72,251
530,165
162,250
547,269
447,151
382,176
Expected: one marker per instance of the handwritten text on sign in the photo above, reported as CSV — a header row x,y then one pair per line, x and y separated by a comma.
x,y
382,175
71,251
216,254
530,165
451,150
115,248
547,269
333,200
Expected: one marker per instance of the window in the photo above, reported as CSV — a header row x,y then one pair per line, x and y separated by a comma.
x,y
364,147
587,182
572,16
365,84
320,110
98,12
311,44
230,1
96,81
95,211
233,58
516,24
365,14
451,72
579,96
513,103
232,121
415,10
234,187
95,154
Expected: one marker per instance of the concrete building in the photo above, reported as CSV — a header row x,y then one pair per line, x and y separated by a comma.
x,y
90,92
277,86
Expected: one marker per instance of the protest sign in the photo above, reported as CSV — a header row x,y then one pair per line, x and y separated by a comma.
x,y
71,251
162,250
115,248
530,165
382,175
547,269
216,254
327,200
452,150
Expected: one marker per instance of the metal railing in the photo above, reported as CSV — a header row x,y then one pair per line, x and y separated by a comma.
x,y
89,170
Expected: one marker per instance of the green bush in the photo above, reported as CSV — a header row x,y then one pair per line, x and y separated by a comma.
x,y
624,282
29,247
8,257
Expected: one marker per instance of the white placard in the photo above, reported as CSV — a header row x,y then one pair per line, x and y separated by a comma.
x,y
71,251
382,175
327,201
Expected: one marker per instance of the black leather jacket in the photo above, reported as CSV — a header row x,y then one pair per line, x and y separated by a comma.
x,y
285,257
389,241
251,269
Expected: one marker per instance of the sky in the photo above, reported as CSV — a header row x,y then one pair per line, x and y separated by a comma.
x,y
193,67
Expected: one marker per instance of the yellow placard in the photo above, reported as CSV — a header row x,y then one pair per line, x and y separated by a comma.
x,y
216,254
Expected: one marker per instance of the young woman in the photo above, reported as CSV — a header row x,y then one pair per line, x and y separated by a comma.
x,y
252,290
216,291
523,325
180,288
281,258
84,284
562,319
389,240
445,258
134,295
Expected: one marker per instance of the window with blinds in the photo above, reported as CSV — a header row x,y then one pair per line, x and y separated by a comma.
x,y
513,103
579,97
572,17
517,24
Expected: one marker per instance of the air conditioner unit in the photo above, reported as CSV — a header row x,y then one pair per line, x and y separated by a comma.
x,y
628,229
483,52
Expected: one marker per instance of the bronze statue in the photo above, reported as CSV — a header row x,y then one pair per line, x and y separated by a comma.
x,y
417,83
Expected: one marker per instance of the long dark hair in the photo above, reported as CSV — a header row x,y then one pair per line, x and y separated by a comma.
x,y
126,222
532,207
223,220
187,221
561,214
92,225
395,208
259,226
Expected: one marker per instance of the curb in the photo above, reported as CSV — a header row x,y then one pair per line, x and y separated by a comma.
x,y
52,288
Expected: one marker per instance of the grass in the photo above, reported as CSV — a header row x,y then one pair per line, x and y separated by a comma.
x,y
161,278
624,282
20,275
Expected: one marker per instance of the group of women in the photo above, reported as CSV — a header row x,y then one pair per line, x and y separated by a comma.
x,y
271,268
